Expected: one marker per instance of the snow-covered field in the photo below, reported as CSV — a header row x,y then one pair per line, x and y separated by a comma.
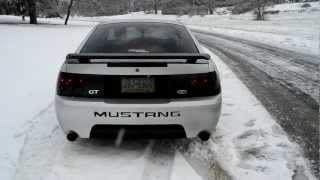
x,y
248,144
30,57
294,28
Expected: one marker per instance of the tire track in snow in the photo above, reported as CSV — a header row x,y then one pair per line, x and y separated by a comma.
x,y
47,155
40,146
99,159
201,157
30,123
159,160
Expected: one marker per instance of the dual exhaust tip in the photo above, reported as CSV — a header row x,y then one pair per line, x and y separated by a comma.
x,y
72,136
203,135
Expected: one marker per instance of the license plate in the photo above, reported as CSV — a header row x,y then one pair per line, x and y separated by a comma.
x,y
137,85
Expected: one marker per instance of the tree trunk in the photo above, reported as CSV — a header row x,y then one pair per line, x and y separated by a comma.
x,y
131,6
260,14
21,9
211,6
155,6
32,9
68,12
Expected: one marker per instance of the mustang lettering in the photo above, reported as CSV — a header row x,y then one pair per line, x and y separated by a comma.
x,y
137,114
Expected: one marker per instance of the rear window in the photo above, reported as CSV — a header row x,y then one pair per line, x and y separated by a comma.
x,y
140,38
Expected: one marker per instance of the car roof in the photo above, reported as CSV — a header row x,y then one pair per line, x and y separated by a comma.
x,y
143,21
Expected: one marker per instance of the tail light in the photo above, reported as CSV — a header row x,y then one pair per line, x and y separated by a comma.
x,y
166,86
79,85
196,85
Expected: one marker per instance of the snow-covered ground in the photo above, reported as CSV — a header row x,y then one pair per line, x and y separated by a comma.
x,y
248,144
30,57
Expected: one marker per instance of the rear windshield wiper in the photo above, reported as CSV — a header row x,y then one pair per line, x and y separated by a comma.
x,y
87,57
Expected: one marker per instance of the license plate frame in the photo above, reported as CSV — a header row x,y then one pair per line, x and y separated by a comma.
x,y
137,85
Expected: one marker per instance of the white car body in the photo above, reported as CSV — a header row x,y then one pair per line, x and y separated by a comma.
x,y
194,114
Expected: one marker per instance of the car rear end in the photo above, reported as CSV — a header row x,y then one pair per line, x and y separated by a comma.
x,y
138,79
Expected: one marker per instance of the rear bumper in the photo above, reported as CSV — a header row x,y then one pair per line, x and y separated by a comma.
x,y
138,131
194,114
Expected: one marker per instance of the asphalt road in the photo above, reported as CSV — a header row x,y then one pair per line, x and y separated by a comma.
x,y
286,83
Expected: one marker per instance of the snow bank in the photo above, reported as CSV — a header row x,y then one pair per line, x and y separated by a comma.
x,y
10,19
294,7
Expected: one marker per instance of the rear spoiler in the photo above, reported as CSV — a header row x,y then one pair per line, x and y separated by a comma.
x,y
86,57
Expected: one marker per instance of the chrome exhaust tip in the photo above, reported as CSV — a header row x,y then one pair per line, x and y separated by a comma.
x,y
204,135
72,136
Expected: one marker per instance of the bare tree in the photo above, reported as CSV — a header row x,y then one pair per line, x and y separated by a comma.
x,y
131,5
68,12
260,6
156,6
211,6
32,10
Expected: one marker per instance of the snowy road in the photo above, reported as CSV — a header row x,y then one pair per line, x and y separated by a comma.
x,y
296,71
286,82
